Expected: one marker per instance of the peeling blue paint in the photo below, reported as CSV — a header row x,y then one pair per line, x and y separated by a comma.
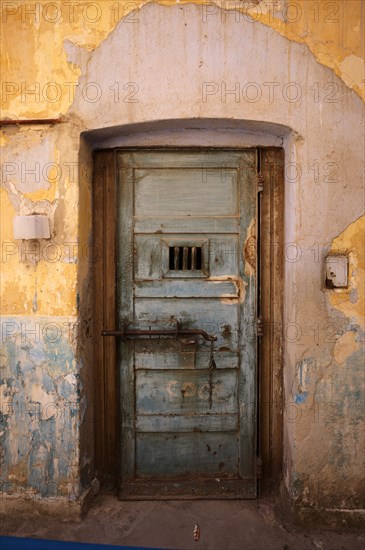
x,y
301,397
39,418
354,295
64,388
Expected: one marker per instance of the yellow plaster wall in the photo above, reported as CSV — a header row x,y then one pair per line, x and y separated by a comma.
x,y
333,31
33,52
31,287
351,301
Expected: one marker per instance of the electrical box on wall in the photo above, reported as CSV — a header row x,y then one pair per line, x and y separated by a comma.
x,y
337,271
34,226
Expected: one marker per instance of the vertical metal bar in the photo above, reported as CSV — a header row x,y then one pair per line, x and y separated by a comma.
x,y
198,257
176,258
171,257
193,257
185,258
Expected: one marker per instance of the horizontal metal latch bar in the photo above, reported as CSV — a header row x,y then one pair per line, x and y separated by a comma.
x,y
174,333
112,333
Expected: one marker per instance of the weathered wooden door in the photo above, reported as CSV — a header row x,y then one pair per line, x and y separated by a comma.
x,y
187,262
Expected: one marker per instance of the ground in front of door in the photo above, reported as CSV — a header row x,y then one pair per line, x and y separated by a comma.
x,y
224,525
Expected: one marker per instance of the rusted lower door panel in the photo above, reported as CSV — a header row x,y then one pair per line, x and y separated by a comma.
x,y
186,249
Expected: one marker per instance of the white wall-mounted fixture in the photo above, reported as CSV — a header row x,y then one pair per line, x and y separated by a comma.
x,y
34,226
336,271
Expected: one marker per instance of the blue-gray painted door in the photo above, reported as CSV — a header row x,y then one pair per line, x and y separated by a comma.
x,y
187,255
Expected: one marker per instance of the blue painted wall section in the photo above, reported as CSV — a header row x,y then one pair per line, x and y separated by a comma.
x,y
39,407
328,398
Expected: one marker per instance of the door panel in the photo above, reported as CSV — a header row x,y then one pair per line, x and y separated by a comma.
x,y
182,393
146,356
185,289
169,454
224,224
186,261
222,322
183,192
151,254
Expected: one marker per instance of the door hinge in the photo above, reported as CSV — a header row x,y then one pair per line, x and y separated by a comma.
x,y
259,327
260,183
258,467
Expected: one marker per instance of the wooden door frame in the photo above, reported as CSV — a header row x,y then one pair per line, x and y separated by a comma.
x,y
270,346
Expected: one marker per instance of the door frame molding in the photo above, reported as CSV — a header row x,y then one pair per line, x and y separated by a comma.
x,y
270,291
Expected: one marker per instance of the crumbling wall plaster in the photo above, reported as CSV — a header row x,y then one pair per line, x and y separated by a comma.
x,y
173,62
333,31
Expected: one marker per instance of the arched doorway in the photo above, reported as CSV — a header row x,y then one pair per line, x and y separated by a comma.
x,y
117,446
